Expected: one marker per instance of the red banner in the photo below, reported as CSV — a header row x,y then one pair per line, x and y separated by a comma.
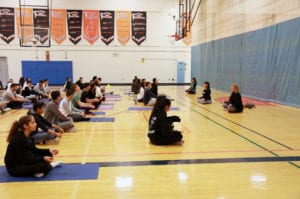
x,y
91,25
58,25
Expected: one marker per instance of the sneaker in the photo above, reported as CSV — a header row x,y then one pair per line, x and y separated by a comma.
x,y
56,164
6,109
39,175
55,141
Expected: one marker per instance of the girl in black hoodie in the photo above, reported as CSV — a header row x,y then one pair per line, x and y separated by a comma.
x,y
161,129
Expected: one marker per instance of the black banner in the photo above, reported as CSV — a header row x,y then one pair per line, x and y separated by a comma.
x,y
41,24
107,26
7,24
74,18
138,26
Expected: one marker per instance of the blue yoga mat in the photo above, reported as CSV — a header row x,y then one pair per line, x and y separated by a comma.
x,y
64,172
102,119
99,113
148,108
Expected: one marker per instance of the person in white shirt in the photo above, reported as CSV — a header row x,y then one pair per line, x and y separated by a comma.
x,y
67,109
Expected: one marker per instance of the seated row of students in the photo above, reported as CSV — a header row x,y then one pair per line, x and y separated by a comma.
x,y
234,103
146,92
138,83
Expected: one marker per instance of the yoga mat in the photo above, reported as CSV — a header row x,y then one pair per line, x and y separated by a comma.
x,y
99,113
147,108
102,119
112,99
101,107
27,105
107,103
65,172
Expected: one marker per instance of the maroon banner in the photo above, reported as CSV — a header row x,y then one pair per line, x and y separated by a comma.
x,y
7,24
138,26
107,26
74,25
41,24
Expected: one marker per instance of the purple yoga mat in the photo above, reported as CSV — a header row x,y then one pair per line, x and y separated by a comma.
x,y
101,107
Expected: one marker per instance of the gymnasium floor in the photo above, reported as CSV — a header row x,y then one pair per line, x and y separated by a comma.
x,y
255,154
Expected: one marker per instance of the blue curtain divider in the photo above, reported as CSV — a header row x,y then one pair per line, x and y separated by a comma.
x,y
264,63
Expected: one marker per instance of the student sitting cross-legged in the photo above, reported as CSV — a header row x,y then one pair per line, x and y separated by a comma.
x,y
193,87
13,100
161,130
86,96
149,97
235,104
205,98
67,109
22,158
53,115
47,129
77,103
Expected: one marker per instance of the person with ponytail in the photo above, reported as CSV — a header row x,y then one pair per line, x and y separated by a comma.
x,y
161,130
22,158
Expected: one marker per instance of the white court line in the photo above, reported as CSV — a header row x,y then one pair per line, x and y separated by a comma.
x,y
83,161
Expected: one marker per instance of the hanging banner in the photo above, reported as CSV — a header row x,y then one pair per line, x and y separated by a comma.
x,y
41,24
26,32
58,25
107,25
74,25
7,24
91,25
138,26
123,26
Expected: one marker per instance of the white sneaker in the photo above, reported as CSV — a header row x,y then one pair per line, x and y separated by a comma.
x,y
7,109
39,175
56,164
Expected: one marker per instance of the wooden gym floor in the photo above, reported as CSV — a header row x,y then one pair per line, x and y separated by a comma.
x,y
255,154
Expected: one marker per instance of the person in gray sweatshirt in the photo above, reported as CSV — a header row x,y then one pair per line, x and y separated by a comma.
x,y
53,115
